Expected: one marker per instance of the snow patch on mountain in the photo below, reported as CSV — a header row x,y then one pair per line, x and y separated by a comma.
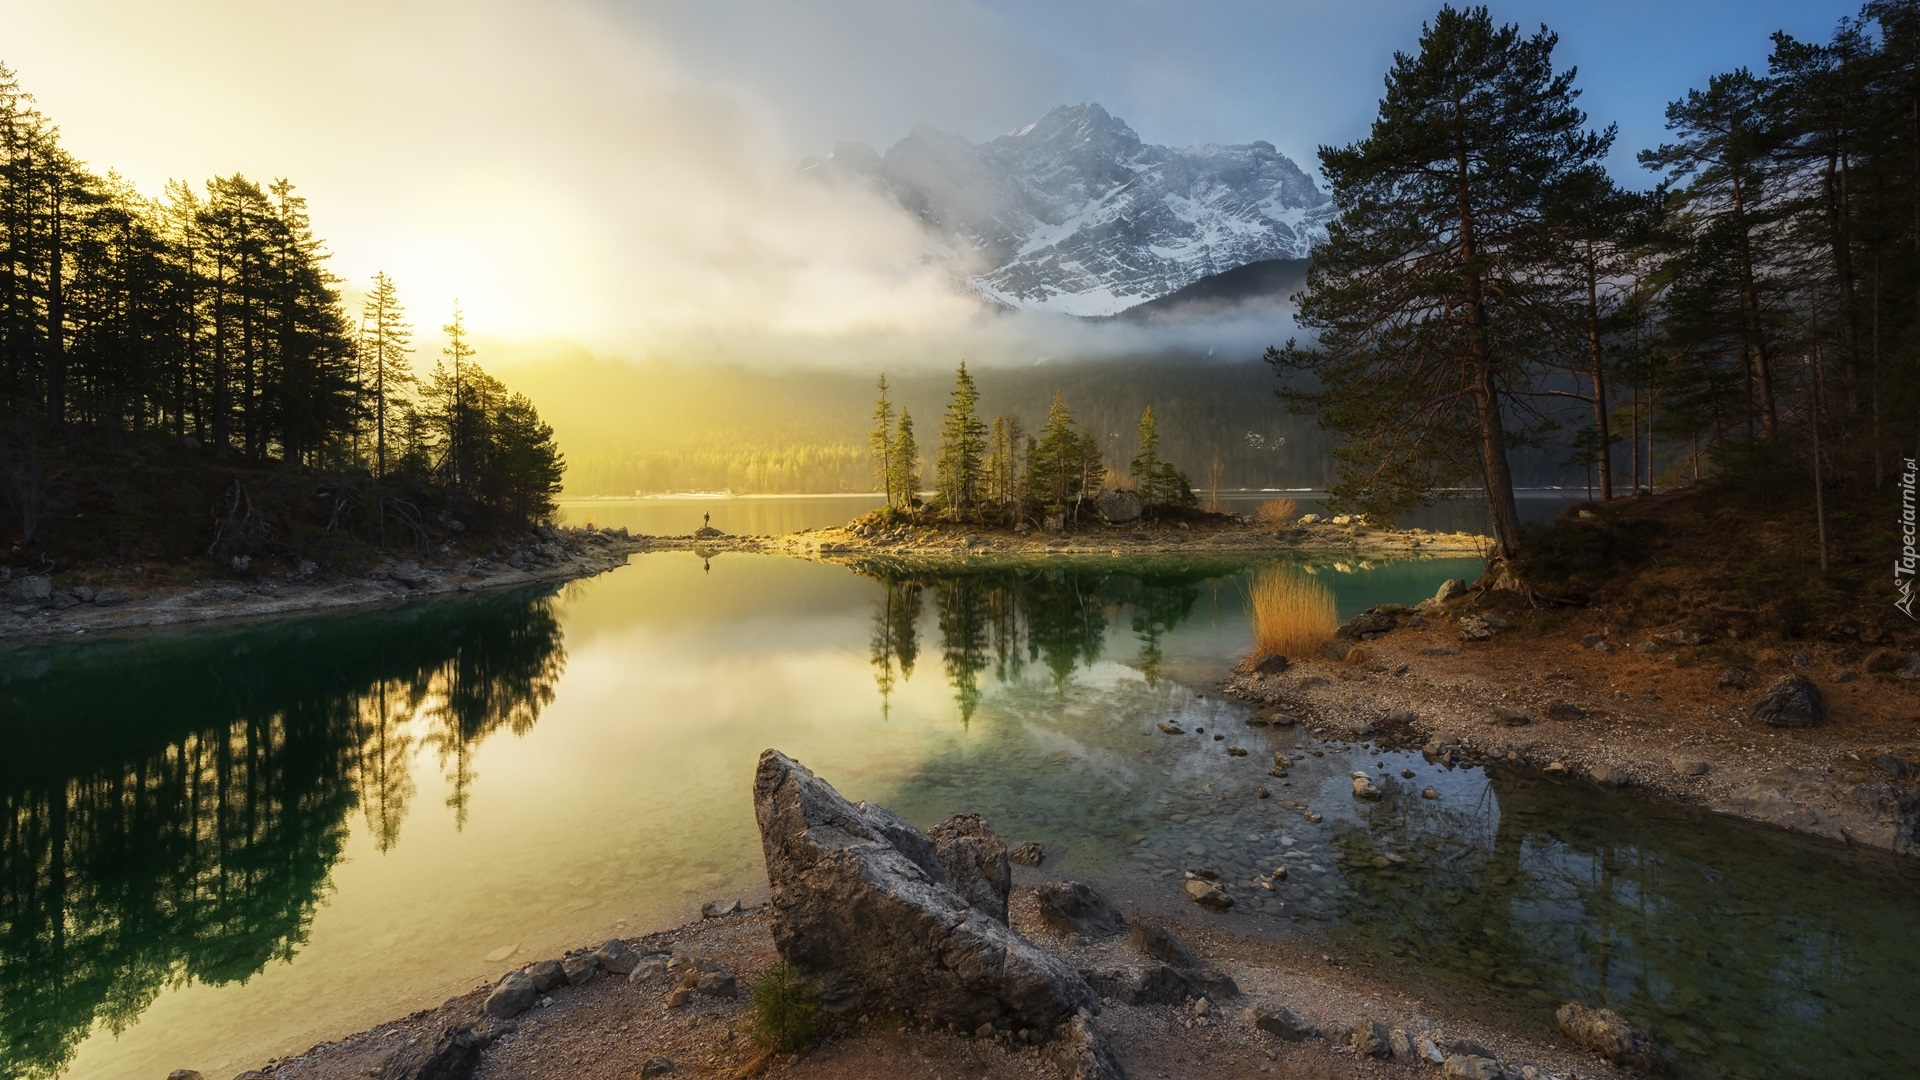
x,y
1073,213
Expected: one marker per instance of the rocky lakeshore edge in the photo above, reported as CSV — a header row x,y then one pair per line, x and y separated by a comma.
x,y
1808,738
929,962
617,1025
35,610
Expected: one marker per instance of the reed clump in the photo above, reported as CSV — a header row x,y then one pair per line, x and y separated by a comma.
x,y
1277,512
1293,615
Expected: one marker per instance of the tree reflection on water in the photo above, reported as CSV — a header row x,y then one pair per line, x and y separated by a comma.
x,y
1007,616
172,809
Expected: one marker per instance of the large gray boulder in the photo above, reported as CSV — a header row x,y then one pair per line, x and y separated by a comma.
x,y
861,902
35,589
1793,701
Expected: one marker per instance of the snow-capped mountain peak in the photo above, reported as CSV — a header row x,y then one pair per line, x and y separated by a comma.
x,y
1074,213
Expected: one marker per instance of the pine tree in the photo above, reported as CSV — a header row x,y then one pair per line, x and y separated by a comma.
x,y
957,472
880,445
1053,463
386,343
905,476
1422,297
997,454
1595,240
524,464
1146,465
461,399
1726,204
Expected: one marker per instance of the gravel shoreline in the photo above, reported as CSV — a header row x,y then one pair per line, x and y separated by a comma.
x,y
1652,717
550,555
621,1026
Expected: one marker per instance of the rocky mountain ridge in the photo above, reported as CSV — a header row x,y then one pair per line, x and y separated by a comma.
x,y
1075,214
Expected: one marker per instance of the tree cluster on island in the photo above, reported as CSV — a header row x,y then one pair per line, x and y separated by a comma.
x,y
161,356
1487,283
999,474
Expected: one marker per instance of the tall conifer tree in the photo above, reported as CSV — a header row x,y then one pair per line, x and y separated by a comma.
x,y
963,448
386,367
1419,300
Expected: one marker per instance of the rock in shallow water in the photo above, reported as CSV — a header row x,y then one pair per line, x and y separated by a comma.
x,y
1031,853
1608,1034
868,913
1208,894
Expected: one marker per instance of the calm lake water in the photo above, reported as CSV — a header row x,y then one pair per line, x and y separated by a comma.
x,y
227,845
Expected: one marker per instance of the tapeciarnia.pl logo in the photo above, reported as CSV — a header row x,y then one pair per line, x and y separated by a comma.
x,y
1903,567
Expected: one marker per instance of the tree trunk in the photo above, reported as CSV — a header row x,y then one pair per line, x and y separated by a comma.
x,y
1498,476
56,308
1604,457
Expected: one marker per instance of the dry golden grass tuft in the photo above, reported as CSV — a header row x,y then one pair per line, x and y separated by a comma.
x,y
1276,512
1293,615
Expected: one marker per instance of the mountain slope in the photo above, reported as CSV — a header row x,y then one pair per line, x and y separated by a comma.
x,y
1075,214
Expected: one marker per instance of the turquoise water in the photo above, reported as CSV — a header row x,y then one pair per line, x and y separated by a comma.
x,y
227,845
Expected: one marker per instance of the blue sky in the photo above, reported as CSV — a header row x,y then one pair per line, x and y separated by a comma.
x,y
622,172
1296,74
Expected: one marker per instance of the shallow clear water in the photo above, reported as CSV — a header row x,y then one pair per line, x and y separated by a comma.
x,y
227,845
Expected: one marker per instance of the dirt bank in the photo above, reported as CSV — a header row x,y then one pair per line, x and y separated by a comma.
x,y
624,1026
53,609
1665,712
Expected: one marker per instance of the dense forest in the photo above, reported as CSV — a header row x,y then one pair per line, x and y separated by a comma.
x,y
1488,286
199,337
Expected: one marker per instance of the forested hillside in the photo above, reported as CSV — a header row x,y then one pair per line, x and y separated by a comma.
x,y
671,427
179,377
